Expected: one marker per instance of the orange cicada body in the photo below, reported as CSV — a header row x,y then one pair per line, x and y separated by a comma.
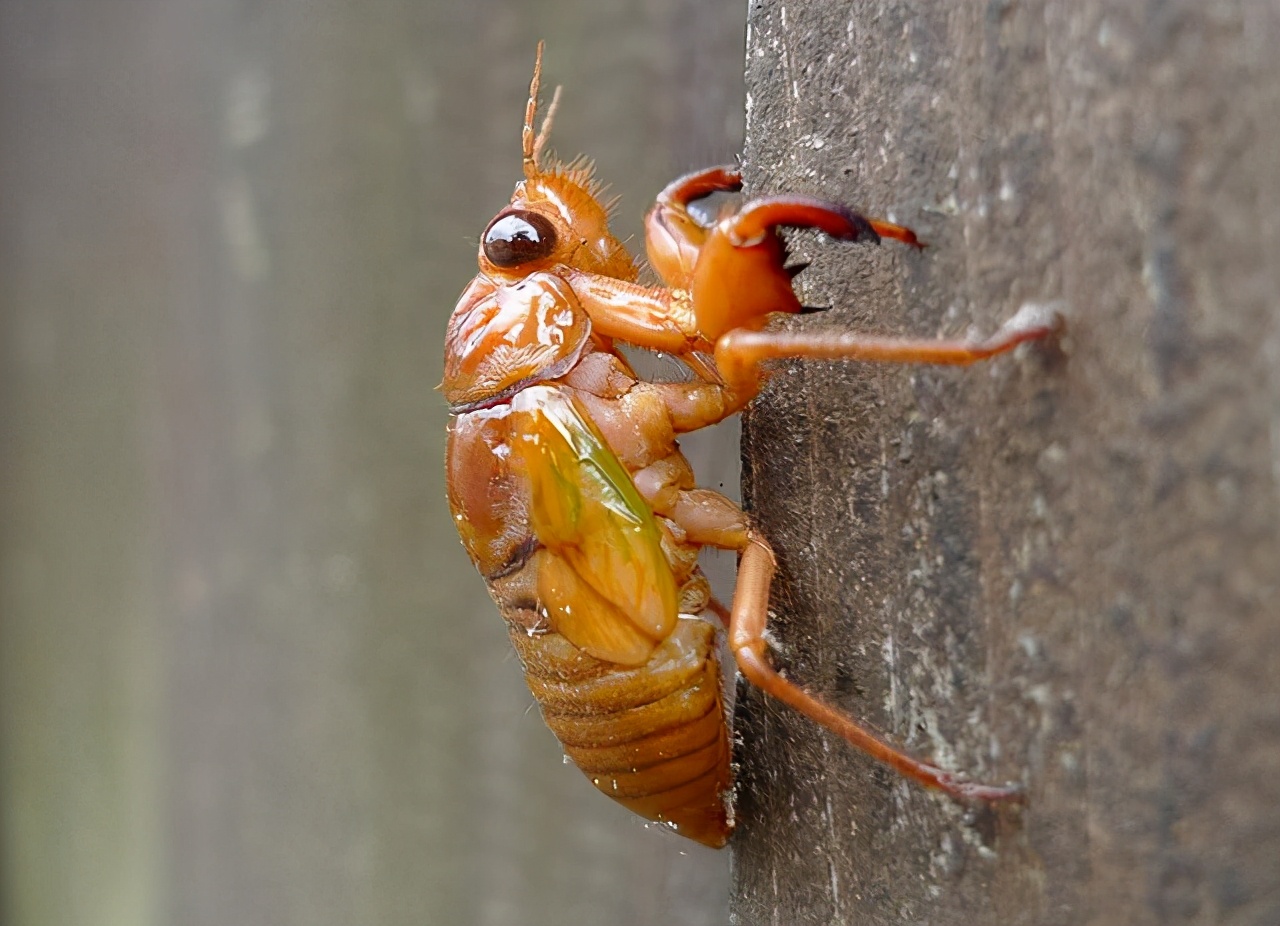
x,y
571,494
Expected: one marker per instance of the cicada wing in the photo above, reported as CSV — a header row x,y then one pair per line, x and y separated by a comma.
x,y
607,585
586,618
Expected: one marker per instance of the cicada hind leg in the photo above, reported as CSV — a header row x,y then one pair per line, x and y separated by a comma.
x,y
748,620
710,519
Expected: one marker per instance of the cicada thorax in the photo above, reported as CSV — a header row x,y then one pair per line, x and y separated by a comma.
x,y
505,336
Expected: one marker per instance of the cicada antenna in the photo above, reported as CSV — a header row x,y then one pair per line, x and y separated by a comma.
x,y
532,145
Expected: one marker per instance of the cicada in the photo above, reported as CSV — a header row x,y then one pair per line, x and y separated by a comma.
x,y
568,487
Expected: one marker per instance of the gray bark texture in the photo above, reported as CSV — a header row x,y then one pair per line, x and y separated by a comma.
x,y
1059,567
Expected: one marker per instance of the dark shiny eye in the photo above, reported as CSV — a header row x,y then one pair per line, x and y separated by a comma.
x,y
517,238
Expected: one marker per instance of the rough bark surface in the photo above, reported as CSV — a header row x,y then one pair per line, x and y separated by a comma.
x,y
1060,567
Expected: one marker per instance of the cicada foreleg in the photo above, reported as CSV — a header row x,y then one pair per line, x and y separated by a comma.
x,y
673,235
679,193
652,317
734,317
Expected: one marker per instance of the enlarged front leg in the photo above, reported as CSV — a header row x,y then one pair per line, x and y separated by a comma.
x,y
654,317
741,276
731,274
740,280
646,316
651,317
672,236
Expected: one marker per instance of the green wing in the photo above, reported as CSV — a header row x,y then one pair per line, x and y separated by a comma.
x,y
606,585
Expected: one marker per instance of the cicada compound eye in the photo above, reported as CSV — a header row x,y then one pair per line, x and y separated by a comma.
x,y
518,237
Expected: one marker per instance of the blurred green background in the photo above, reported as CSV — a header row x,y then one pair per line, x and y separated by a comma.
x,y
247,675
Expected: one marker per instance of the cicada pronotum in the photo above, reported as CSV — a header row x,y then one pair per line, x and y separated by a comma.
x,y
573,498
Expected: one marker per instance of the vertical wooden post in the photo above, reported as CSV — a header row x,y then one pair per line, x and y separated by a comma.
x,y
1057,568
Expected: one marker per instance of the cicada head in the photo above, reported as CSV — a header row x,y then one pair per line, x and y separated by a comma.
x,y
555,216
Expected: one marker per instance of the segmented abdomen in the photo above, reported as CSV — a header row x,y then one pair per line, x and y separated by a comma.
x,y
653,738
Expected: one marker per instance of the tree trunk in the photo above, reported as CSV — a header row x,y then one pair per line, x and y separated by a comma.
x,y
1058,567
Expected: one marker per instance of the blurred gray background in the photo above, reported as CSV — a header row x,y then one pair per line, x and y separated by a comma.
x,y
247,674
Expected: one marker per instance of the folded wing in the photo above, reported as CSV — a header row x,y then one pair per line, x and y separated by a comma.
x,y
603,578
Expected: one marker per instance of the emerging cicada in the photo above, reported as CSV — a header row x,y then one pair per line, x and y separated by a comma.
x,y
573,498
